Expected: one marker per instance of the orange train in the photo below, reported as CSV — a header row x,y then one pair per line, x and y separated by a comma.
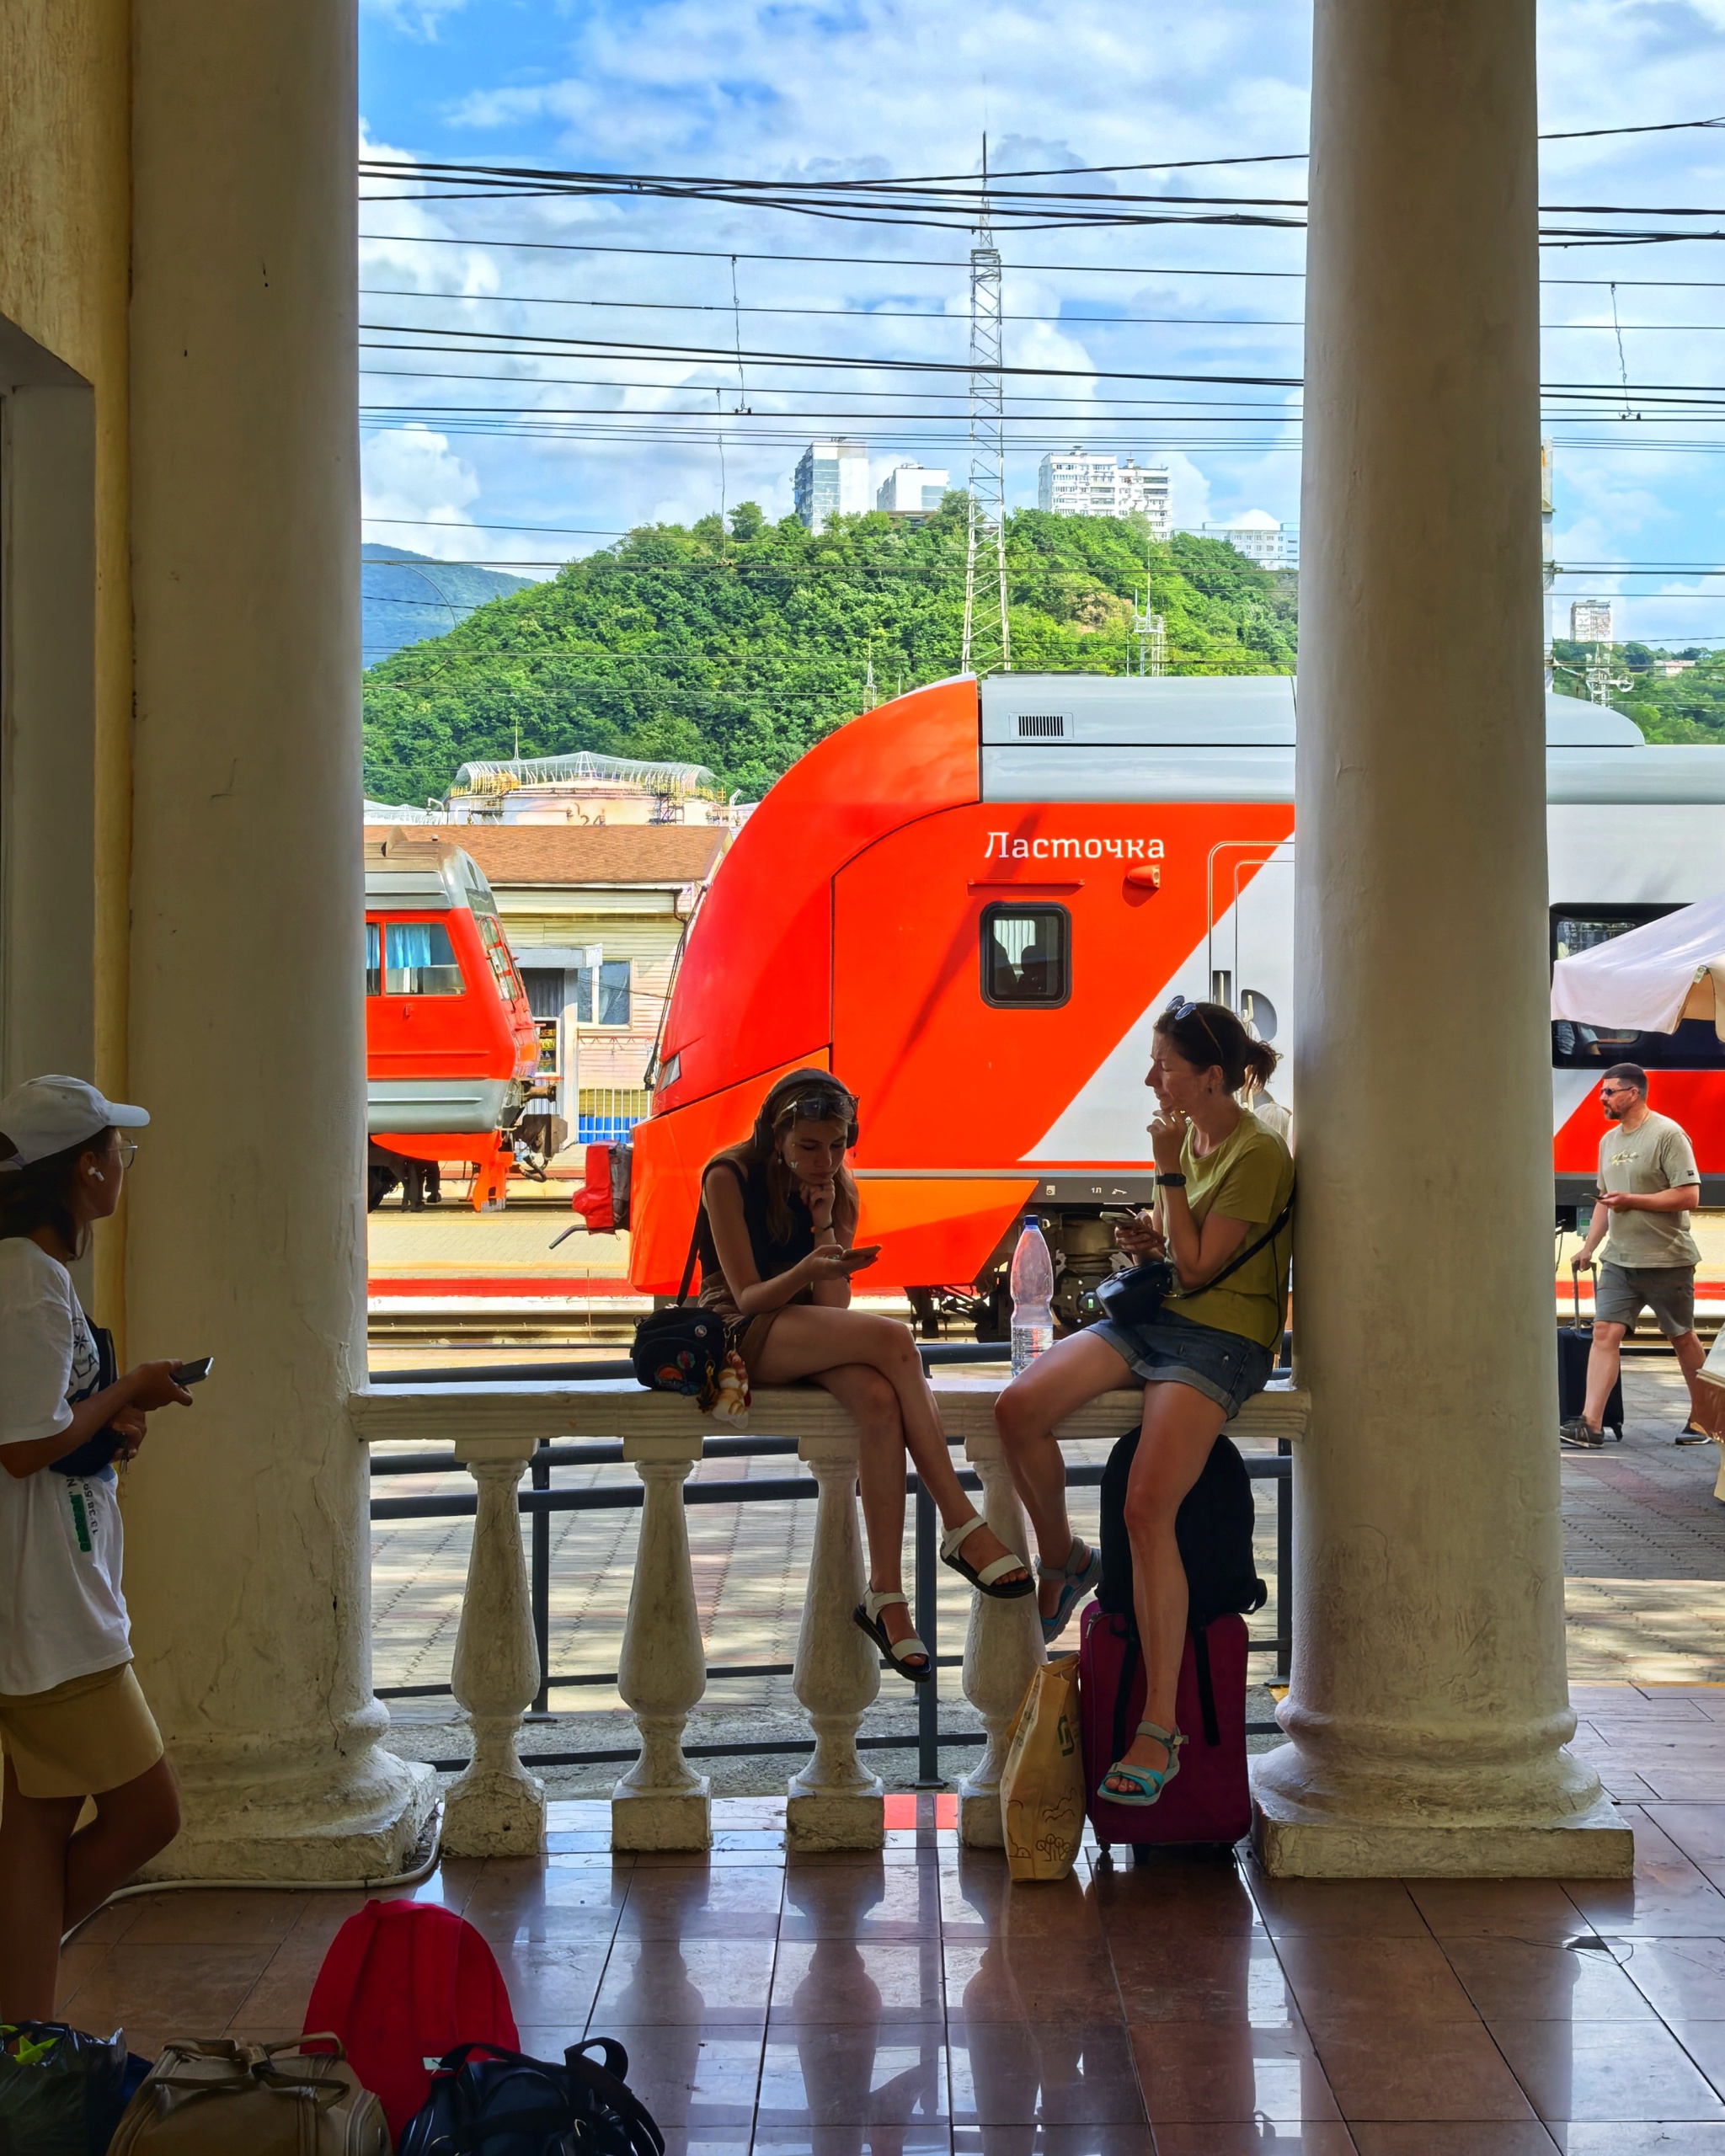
x,y
450,1039
972,901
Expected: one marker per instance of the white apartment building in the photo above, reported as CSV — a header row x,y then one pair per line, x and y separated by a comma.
x,y
831,479
911,489
1259,537
1084,483
1590,621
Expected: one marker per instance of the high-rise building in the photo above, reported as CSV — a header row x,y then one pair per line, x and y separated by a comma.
x,y
831,479
1083,483
911,489
1259,537
1590,621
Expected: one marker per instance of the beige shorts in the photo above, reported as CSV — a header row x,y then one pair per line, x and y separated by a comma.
x,y
79,1738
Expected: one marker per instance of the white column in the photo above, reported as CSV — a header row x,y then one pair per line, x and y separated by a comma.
x,y
661,1803
1003,1649
834,1803
248,1551
495,1807
1429,1707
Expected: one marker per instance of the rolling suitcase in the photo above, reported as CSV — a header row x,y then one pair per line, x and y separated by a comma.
x,y
1574,1344
1209,1800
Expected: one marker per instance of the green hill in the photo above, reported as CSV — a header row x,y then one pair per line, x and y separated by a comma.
x,y
740,648
1685,706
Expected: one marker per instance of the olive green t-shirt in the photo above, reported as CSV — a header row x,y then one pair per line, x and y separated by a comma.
x,y
1656,1155
1247,1178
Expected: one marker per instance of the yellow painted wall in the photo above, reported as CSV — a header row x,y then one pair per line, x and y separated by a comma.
x,y
65,245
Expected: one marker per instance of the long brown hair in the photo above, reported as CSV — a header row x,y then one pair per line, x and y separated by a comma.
x,y
40,1196
1208,1034
760,1149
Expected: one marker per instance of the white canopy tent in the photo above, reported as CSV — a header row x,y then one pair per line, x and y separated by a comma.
x,y
1651,978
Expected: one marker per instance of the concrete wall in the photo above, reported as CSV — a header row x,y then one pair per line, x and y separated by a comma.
x,y
64,220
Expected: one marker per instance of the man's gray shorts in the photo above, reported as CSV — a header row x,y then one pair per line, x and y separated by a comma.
x,y
1668,1290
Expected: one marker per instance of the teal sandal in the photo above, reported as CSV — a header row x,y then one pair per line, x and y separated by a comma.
x,y
1073,1588
1148,1782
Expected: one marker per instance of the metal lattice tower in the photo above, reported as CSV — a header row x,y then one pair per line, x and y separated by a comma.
x,y
987,646
1151,631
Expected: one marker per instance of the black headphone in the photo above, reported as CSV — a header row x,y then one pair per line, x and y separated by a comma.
x,y
820,1098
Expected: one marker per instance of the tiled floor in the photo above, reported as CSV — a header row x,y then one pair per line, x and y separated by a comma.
x,y
916,2001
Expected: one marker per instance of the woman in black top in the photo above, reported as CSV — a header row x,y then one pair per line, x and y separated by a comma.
x,y
778,1220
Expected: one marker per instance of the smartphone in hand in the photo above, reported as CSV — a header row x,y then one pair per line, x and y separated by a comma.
x,y
854,1261
193,1372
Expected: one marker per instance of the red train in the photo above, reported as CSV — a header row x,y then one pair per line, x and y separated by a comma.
x,y
449,1040
971,902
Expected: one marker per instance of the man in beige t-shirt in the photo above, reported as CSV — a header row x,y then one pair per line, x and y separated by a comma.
x,y
1649,1185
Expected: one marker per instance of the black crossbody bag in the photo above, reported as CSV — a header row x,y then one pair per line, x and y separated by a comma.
x,y
681,1349
1136,1297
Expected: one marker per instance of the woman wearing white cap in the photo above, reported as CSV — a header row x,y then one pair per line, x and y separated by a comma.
x,y
74,1722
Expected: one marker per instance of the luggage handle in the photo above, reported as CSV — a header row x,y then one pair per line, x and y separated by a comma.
x,y
1593,1273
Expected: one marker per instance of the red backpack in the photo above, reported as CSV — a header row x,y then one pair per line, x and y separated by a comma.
x,y
402,1983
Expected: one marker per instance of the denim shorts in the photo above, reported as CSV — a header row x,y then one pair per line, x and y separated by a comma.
x,y
1225,1367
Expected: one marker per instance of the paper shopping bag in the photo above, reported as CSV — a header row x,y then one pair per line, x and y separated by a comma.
x,y
1042,1790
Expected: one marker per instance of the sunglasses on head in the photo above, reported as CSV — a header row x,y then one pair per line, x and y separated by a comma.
x,y
822,1107
1176,1011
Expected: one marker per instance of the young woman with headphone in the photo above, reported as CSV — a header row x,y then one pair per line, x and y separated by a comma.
x,y
776,1239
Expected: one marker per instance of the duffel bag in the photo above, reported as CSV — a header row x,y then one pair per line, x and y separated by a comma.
x,y
220,2098
505,2104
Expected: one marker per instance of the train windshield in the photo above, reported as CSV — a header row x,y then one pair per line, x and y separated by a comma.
x,y
419,959
1694,1046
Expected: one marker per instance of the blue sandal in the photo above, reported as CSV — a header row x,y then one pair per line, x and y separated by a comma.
x,y
1149,1782
1075,1585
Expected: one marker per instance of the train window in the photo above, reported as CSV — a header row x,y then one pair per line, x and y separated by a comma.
x,y
611,1004
1026,957
374,960
1695,1045
503,966
419,959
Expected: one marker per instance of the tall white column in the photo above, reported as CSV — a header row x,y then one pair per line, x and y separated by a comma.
x,y
1429,1707
248,1547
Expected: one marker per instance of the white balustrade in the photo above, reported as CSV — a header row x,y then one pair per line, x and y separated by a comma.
x,y
834,1803
1002,1648
661,1803
495,1807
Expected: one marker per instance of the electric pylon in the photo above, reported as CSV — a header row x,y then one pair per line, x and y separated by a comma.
x,y
987,645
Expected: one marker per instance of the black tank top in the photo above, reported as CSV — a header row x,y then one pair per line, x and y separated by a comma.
x,y
770,1258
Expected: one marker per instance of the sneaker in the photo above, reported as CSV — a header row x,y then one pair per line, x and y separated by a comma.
x,y
1689,1435
1580,1434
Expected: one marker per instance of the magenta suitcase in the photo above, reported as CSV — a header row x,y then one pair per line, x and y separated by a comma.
x,y
1209,1800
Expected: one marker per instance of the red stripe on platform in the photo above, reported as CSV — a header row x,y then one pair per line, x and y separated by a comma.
x,y
490,1283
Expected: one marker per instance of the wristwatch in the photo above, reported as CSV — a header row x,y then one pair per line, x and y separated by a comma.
x,y
1177,1182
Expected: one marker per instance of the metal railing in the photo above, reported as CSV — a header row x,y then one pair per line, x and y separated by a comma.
x,y
540,1500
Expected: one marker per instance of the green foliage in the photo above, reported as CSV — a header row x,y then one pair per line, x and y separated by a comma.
x,y
740,648
1686,707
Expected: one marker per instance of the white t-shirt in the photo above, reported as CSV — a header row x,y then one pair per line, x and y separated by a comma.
x,y
61,1612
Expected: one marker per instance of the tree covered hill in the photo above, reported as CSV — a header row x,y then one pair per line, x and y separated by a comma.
x,y
738,647
1686,707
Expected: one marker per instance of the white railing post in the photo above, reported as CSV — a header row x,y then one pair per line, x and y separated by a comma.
x,y
661,1803
833,1802
495,1807
1002,1649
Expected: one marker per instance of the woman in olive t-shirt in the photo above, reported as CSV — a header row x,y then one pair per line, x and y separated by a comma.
x,y
1223,1182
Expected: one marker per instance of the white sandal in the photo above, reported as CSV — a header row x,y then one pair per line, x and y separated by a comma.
x,y
899,1652
987,1580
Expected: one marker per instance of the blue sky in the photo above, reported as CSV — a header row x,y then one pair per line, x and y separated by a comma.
x,y
861,88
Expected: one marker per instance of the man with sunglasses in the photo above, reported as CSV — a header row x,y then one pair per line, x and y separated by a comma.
x,y
1649,1185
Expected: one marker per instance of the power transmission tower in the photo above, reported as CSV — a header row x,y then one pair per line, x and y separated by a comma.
x,y
1603,680
1151,631
987,646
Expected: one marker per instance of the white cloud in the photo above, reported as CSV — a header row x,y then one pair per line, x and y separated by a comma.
x,y
417,19
415,493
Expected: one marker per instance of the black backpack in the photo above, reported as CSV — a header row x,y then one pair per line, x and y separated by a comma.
x,y
1213,1528
505,2104
682,1347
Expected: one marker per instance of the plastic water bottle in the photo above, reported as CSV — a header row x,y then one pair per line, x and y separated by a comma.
x,y
1032,1287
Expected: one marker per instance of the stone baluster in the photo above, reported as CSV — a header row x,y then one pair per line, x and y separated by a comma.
x,y
1002,1649
834,1803
661,1803
495,1807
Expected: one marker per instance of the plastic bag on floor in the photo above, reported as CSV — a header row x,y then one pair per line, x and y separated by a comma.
x,y
62,2091
1042,1790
